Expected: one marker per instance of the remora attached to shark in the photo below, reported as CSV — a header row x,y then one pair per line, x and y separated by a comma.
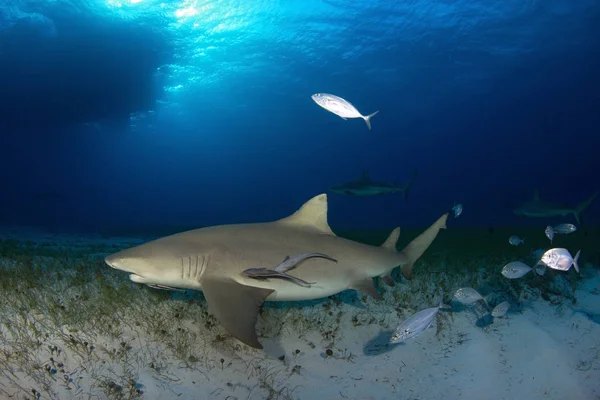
x,y
212,260
536,208
364,187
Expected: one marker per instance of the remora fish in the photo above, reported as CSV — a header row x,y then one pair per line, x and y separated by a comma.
x,y
535,208
264,273
341,107
364,187
416,323
289,263
212,259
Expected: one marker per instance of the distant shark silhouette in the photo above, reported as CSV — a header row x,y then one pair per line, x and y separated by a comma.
x,y
365,187
213,259
536,208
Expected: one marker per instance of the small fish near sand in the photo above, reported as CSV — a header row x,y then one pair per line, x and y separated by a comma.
x,y
549,232
292,262
515,270
457,209
341,107
468,296
564,229
414,325
560,259
500,310
265,273
515,240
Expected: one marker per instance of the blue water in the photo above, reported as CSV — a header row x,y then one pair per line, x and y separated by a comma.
x,y
123,113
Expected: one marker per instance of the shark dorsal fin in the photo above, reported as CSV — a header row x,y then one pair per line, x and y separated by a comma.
x,y
390,242
365,175
536,195
313,214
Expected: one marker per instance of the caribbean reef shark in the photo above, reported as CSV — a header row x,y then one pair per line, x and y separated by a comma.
x,y
364,187
213,259
536,208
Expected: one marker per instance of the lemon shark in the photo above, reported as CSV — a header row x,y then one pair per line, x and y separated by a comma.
x,y
212,260
536,208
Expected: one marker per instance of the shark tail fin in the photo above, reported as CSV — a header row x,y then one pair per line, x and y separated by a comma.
x,y
575,260
415,249
409,184
579,209
368,119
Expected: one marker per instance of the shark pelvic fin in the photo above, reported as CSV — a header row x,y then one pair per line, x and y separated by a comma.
x,y
236,307
388,280
390,242
367,286
415,249
313,215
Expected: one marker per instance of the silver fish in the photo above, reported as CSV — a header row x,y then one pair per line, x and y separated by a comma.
x,y
501,309
292,262
458,209
416,323
264,273
467,296
549,233
564,229
560,259
515,240
515,270
341,107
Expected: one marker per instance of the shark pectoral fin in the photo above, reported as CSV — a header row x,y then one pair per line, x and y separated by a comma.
x,y
388,280
236,307
368,287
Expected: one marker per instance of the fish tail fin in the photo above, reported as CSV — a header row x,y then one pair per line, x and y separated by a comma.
x,y
585,204
368,119
409,184
415,249
575,260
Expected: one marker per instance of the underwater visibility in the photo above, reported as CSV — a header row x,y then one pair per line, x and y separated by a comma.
x,y
324,199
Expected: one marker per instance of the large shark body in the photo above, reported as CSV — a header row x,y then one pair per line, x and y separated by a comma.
x,y
212,260
536,208
364,186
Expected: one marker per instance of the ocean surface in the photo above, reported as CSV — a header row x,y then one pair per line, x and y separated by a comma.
x,y
124,121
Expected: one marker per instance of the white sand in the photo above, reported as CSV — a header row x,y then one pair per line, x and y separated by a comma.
x,y
538,353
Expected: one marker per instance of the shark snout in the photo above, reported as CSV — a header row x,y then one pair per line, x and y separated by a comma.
x,y
114,261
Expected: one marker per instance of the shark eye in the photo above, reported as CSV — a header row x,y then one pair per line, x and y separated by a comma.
x,y
406,331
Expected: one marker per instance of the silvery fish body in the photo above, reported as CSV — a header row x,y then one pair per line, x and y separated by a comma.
x,y
515,240
458,209
515,270
467,296
501,309
564,229
560,259
549,231
415,324
341,107
292,262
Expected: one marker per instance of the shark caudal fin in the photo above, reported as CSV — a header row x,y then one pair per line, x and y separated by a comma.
x,y
409,184
579,209
368,119
417,247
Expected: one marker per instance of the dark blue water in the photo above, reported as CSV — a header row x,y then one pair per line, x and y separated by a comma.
x,y
120,113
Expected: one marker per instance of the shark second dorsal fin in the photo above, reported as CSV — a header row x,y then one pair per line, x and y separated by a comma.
x,y
313,215
390,242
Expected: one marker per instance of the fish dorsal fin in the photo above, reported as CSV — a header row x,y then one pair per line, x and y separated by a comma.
x,y
536,195
390,242
365,175
313,215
